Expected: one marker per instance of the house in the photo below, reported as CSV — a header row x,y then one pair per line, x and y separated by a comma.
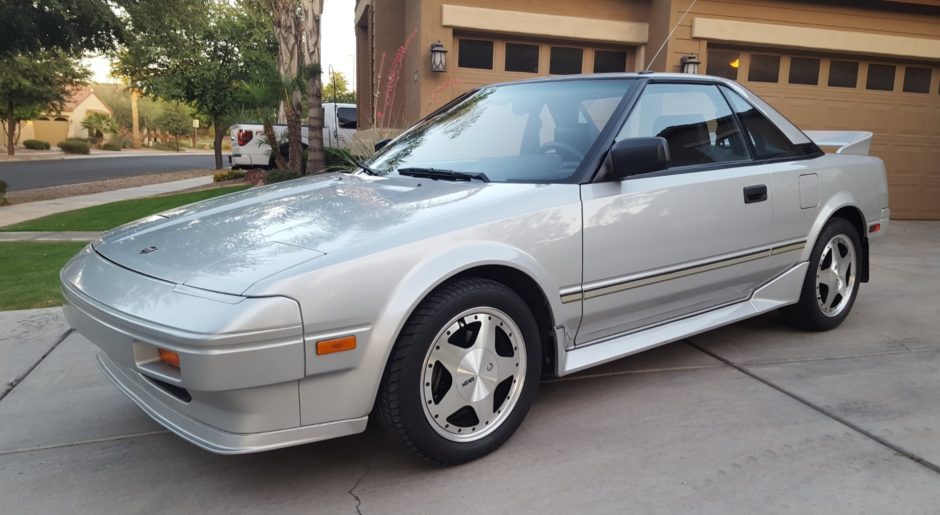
x,y
53,128
829,64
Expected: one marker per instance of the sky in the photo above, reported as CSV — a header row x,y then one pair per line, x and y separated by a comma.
x,y
337,43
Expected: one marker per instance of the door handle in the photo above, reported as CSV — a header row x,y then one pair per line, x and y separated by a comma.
x,y
756,193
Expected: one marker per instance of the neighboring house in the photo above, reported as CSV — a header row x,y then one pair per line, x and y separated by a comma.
x,y
55,127
865,65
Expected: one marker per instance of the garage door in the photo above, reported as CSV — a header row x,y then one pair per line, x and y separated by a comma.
x,y
899,102
484,59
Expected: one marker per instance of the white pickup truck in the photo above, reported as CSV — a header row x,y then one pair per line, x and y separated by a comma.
x,y
250,148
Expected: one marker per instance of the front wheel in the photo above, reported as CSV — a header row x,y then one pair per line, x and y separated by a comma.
x,y
463,373
831,283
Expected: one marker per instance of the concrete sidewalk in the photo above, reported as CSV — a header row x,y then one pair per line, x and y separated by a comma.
x,y
756,417
17,213
49,235
44,155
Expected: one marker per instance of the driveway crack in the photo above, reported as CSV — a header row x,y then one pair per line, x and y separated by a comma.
x,y
352,491
12,384
823,411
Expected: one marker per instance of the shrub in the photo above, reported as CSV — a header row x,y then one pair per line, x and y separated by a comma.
x,y
75,146
35,144
228,175
279,176
338,157
114,147
3,193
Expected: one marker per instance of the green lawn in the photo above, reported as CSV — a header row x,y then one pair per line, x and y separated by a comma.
x,y
30,277
108,216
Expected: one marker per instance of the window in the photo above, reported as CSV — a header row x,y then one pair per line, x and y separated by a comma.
x,y
693,118
880,77
843,74
537,131
565,60
764,68
916,80
474,53
522,58
609,61
346,117
766,139
804,70
723,63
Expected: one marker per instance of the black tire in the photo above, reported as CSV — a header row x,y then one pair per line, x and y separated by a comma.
x,y
399,404
807,314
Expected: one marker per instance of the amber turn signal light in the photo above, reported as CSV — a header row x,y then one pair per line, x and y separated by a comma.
x,y
169,357
336,345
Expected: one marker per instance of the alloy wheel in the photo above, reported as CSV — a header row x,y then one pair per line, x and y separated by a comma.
x,y
835,276
473,373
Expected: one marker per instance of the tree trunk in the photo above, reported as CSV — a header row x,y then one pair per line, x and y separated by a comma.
x,y
269,136
289,34
217,142
11,129
316,160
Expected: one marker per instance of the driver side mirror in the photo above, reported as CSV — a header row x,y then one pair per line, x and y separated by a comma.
x,y
634,156
380,145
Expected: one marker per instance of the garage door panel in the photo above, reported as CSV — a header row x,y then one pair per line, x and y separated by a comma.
x,y
907,161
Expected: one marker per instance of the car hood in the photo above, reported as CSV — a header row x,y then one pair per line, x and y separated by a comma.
x,y
229,243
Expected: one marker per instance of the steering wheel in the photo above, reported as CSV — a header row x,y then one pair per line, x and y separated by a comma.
x,y
564,150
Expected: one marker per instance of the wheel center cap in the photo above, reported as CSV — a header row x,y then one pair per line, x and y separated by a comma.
x,y
476,375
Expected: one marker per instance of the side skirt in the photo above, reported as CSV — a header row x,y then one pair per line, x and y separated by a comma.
x,y
780,291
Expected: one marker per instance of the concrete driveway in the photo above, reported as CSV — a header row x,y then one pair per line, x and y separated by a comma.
x,y
756,417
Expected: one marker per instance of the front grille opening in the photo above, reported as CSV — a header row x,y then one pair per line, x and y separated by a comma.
x,y
180,393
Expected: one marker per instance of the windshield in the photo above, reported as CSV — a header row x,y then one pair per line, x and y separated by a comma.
x,y
527,132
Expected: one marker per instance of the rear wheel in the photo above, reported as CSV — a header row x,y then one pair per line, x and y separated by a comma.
x,y
463,373
831,283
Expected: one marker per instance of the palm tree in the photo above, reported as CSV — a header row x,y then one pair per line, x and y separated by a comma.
x,y
97,125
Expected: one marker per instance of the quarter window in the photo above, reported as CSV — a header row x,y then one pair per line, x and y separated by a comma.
x,y
843,74
916,80
880,77
565,60
804,70
475,53
609,61
522,58
723,63
764,68
693,118
766,139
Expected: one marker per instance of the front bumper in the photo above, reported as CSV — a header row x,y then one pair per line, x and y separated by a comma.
x,y
237,389
213,439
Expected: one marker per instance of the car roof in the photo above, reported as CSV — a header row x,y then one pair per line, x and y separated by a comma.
x,y
672,77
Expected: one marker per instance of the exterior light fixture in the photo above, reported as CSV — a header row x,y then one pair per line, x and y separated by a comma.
x,y
689,64
438,57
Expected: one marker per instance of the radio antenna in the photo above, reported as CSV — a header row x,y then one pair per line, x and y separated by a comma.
x,y
671,32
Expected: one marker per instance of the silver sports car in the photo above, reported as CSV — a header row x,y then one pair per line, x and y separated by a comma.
x,y
525,229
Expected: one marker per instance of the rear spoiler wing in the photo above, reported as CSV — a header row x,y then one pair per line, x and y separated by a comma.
x,y
849,142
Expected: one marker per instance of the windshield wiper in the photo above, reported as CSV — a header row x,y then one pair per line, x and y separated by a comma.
x,y
364,167
447,175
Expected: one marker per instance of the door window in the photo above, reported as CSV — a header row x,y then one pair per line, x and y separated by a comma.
x,y
693,118
346,117
766,139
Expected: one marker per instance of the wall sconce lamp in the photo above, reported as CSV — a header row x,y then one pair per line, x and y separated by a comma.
x,y
689,64
438,57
